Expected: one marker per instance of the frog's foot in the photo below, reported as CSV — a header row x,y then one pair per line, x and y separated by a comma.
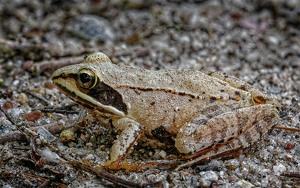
x,y
140,166
203,139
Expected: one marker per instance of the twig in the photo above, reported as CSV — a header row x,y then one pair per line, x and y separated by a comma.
x,y
53,128
52,65
287,128
51,49
21,46
37,96
108,176
61,111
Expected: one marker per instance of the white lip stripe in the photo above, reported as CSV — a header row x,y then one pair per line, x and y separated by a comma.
x,y
92,100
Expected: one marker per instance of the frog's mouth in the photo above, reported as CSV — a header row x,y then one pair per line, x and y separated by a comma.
x,y
70,89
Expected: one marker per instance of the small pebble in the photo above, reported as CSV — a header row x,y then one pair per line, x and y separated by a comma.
x,y
208,177
91,27
279,168
162,154
33,116
289,146
252,57
49,85
232,164
8,105
272,40
67,135
23,98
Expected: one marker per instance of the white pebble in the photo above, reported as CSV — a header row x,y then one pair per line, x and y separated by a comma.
x,y
162,154
279,168
50,156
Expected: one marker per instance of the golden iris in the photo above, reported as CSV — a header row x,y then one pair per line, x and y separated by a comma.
x,y
87,78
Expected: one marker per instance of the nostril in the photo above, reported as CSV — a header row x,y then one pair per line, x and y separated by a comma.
x,y
63,75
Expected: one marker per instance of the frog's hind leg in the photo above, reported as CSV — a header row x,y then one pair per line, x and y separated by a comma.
x,y
258,96
203,138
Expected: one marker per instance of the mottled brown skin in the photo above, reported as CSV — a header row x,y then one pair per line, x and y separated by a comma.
x,y
203,114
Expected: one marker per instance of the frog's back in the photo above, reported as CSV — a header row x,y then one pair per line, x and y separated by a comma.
x,y
178,81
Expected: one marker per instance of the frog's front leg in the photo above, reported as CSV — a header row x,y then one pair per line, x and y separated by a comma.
x,y
131,131
204,138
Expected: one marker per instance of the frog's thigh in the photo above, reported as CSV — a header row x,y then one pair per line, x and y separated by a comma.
x,y
130,133
240,129
245,124
258,96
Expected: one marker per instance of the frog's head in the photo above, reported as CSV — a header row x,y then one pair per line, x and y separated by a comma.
x,y
84,84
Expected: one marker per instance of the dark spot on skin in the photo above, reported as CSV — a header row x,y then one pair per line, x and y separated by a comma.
x,y
212,99
222,90
232,98
203,92
181,93
148,89
198,97
200,122
248,137
260,99
239,141
152,103
190,100
243,87
162,135
192,96
137,92
258,128
240,132
226,76
221,141
237,93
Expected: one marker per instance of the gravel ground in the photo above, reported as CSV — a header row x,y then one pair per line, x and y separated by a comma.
x,y
256,41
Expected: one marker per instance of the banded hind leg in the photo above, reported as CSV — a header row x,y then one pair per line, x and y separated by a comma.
x,y
202,138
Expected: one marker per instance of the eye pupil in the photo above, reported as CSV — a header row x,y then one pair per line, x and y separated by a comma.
x,y
84,77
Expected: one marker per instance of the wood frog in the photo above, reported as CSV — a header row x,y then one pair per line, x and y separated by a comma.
x,y
201,115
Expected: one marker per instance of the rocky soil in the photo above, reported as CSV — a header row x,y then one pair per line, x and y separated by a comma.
x,y
257,41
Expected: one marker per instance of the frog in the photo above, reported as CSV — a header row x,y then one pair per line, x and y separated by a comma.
x,y
201,115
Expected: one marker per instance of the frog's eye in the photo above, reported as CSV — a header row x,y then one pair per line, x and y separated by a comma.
x,y
87,78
